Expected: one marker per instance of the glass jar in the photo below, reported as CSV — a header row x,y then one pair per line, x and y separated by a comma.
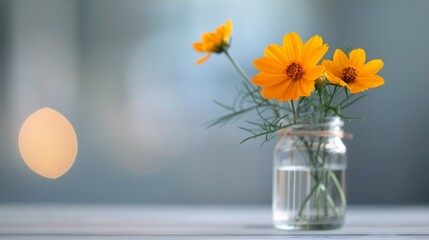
x,y
309,175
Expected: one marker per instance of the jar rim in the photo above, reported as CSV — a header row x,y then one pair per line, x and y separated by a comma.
x,y
311,119
323,122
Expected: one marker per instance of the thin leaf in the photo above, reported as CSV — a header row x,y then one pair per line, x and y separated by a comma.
x,y
223,105
353,101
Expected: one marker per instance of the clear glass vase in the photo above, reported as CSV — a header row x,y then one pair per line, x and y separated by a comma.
x,y
309,175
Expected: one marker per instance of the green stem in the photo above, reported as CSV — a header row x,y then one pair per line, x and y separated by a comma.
x,y
328,198
237,67
318,151
320,99
317,199
332,204
326,194
247,81
293,110
304,203
318,178
330,100
339,188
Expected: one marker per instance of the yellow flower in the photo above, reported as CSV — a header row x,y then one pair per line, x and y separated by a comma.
x,y
352,72
289,71
214,42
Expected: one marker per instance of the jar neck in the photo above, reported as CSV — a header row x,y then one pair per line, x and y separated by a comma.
x,y
329,124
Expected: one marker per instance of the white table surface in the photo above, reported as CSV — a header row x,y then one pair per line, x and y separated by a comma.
x,y
197,222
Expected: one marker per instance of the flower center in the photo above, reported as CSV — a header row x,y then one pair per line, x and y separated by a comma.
x,y
294,71
349,74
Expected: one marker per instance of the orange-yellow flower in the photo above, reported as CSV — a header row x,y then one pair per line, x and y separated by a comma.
x,y
352,72
288,72
214,42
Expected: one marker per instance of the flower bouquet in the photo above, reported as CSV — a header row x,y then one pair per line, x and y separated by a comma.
x,y
300,97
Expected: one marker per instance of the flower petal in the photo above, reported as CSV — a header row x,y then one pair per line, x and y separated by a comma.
x,y
313,51
210,37
332,68
356,87
340,59
275,91
285,94
305,87
268,65
292,44
228,31
357,57
291,92
203,59
314,73
312,43
198,47
220,32
263,79
371,67
277,52
316,55
370,81
335,80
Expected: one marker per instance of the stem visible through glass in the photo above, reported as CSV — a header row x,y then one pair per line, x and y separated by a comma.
x,y
323,178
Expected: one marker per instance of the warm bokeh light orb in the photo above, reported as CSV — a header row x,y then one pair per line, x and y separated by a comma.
x,y
48,143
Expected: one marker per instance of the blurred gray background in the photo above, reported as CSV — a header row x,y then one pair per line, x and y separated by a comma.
x,y
123,73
